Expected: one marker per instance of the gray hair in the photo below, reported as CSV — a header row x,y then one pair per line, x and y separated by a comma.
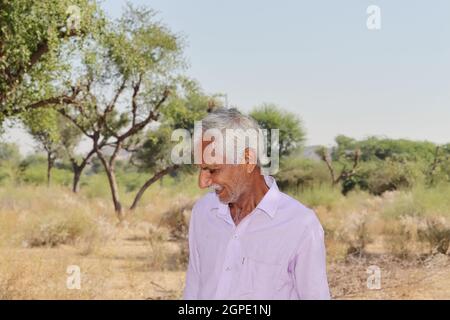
x,y
223,119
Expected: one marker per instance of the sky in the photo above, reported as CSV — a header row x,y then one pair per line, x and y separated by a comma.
x,y
319,60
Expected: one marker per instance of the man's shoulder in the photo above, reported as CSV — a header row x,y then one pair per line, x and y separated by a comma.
x,y
295,211
205,202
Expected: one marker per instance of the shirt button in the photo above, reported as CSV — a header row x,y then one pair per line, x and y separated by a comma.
x,y
235,236
227,268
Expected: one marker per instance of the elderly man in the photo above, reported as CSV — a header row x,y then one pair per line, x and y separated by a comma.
x,y
247,239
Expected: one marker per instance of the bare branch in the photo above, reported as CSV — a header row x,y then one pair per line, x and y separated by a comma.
x,y
134,107
119,91
150,181
153,115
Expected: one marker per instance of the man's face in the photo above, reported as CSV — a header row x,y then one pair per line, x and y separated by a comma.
x,y
227,180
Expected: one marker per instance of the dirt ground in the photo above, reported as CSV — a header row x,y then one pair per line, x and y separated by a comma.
x,y
127,267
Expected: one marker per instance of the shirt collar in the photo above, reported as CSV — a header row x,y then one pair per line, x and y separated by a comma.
x,y
268,204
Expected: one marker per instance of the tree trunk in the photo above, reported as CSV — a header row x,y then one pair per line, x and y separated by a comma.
x,y
49,167
114,192
109,169
78,170
157,176
76,178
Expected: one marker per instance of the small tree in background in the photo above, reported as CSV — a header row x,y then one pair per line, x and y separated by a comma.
x,y
42,125
439,168
58,138
292,133
348,168
70,137
9,162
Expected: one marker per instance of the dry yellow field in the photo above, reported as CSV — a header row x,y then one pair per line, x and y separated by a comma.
x,y
145,258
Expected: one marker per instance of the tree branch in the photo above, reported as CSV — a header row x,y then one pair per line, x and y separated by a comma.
x,y
150,181
153,115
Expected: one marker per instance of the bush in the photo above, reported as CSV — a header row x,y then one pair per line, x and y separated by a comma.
x,y
176,219
354,233
401,237
419,202
389,175
9,173
436,232
36,173
299,174
56,228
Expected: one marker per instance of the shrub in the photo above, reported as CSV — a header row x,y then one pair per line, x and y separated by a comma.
x,y
436,232
55,228
401,236
300,173
390,175
354,233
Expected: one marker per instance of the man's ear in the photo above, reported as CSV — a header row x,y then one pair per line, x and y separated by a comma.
x,y
250,159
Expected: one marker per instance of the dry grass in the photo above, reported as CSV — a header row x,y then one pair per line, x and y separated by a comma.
x,y
42,234
43,231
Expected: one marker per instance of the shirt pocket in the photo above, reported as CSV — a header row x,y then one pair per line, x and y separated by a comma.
x,y
260,279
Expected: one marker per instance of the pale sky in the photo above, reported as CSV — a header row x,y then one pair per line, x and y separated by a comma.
x,y
319,60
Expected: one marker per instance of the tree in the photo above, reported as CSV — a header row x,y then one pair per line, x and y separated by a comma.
x,y
33,38
9,152
346,175
439,169
70,137
58,138
291,134
375,148
382,164
42,125
126,77
183,109
9,162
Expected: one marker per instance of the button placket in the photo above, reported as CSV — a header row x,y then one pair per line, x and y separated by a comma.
x,y
232,263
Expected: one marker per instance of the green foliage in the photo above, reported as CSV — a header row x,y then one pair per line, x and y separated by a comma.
x,y
322,195
42,124
374,148
155,151
36,174
291,134
420,201
9,152
33,36
9,163
387,164
138,43
301,173
439,169
389,175
187,105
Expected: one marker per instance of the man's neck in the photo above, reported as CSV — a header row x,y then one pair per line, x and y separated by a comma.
x,y
249,199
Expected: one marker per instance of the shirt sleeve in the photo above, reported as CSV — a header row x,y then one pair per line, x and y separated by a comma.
x,y
310,265
193,272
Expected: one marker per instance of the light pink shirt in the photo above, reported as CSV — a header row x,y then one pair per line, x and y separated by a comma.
x,y
275,252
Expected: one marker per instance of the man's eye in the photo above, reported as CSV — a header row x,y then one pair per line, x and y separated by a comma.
x,y
212,170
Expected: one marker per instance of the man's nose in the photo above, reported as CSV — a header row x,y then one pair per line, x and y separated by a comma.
x,y
204,179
